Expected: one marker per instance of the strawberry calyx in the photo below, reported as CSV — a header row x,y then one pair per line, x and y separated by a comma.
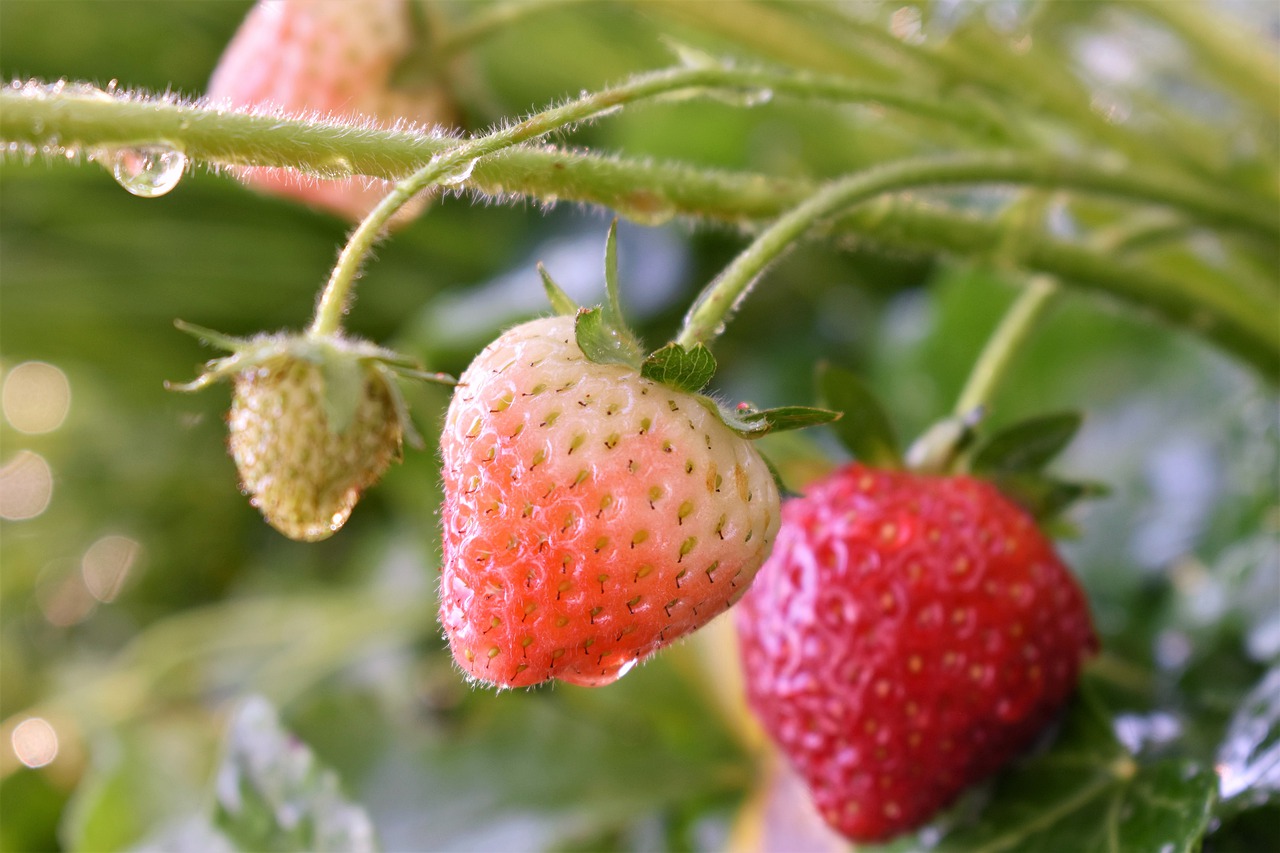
x,y
315,419
343,360
1013,458
605,338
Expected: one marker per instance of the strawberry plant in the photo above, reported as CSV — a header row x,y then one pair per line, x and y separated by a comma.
x,y
1027,233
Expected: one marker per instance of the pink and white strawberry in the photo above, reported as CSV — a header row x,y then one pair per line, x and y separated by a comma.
x,y
329,59
591,515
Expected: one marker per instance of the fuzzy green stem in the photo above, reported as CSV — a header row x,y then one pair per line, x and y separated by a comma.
x,y
331,149
1240,321
1004,344
706,318
456,164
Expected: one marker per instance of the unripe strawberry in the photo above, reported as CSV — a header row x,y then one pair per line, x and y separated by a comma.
x,y
909,635
304,474
314,421
591,515
327,59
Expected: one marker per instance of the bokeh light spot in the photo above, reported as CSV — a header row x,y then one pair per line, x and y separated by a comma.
x,y
26,486
35,397
106,565
35,742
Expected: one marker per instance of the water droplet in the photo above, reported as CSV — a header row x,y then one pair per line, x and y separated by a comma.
x,y
336,167
147,171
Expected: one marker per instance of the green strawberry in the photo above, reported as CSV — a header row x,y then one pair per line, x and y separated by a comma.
x,y
314,421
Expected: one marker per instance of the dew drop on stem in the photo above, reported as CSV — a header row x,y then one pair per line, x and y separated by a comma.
x,y
147,171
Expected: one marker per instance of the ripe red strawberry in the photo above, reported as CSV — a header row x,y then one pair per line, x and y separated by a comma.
x,y
591,515
908,636
326,58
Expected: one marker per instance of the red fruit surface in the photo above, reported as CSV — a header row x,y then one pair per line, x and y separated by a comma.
x,y
591,516
326,59
908,636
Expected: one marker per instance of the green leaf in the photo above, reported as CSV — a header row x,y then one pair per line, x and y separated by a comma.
x,y
686,369
865,429
1088,794
753,423
561,302
602,342
1028,445
1044,496
272,794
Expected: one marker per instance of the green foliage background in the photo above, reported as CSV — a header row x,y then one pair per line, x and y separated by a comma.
x,y
1182,561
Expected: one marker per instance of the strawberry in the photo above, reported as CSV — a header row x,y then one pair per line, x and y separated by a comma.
x,y
591,515
908,636
331,59
314,421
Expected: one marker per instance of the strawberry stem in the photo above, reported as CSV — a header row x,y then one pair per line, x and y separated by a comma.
x,y
1004,344
1218,306
455,165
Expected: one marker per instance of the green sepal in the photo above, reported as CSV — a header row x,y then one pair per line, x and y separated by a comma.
x,y
1026,446
561,302
756,423
603,343
1043,496
684,369
419,375
344,380
388,373
210,337
613,302
865,429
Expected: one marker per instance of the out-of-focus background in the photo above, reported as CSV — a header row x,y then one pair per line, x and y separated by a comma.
x,y
144,600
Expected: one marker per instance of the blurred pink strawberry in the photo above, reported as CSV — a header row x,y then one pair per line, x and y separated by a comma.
x,y
332,58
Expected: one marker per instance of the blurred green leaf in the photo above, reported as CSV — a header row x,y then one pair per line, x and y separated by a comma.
x,y
1043,496
1026,446
273,795
1088,794
865,429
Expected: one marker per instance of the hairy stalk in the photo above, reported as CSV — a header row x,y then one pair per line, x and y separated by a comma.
x,y
228,138
706,318
456,164
1239,321
72,121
